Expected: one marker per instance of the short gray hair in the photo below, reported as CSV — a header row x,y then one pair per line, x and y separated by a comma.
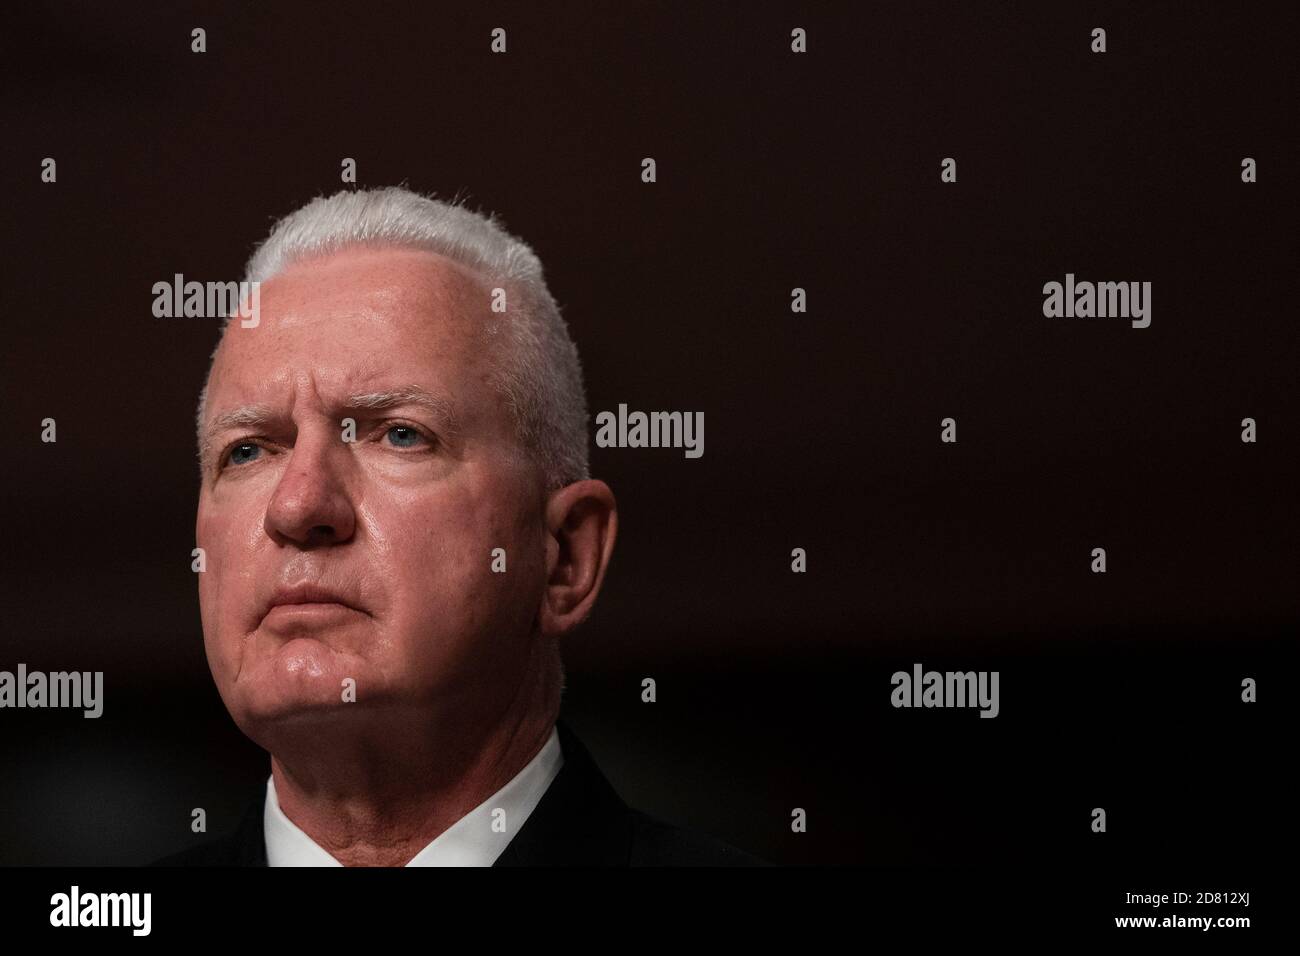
x,y
538,372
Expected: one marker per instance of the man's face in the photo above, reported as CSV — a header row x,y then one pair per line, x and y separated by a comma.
x,y
400,523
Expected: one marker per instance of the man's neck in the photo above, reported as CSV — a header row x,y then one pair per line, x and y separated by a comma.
x,y
379,794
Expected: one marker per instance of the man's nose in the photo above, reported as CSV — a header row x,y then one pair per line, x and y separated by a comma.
x,y
311,504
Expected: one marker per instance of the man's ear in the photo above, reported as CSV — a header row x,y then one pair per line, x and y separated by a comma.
x,y
581,524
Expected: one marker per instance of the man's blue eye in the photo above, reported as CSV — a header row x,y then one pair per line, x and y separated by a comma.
x,y
234,453
405,437
408,439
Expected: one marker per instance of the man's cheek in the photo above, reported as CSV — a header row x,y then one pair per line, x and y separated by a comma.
x,y
465,607
452,541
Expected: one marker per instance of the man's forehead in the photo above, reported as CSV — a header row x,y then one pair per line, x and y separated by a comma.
x,y
406,306
360,381
396,297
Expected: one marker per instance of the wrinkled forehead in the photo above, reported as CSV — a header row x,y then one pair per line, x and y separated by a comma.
x,y
360,316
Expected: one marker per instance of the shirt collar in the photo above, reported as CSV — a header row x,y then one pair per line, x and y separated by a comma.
x,y
476,839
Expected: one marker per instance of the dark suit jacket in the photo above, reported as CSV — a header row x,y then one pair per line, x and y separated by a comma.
x,y
580,821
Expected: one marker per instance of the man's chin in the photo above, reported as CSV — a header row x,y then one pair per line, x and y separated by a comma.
x,y
278,720
303,679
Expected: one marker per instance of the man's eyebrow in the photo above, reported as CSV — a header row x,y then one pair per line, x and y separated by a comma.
x,y
444,409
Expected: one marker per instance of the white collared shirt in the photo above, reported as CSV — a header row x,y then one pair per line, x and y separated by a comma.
x,y
470,841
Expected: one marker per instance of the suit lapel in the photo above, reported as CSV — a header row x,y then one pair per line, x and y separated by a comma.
x,y
248,845
580,820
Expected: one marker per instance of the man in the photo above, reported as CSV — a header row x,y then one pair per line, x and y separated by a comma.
x,y
398,528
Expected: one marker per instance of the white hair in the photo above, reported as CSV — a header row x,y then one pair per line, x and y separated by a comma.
x,y
537,368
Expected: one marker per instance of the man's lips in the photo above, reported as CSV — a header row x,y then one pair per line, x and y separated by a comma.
x,y
288,618
303,601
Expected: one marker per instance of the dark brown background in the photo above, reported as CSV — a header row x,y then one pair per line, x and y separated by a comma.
x,y
822,430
